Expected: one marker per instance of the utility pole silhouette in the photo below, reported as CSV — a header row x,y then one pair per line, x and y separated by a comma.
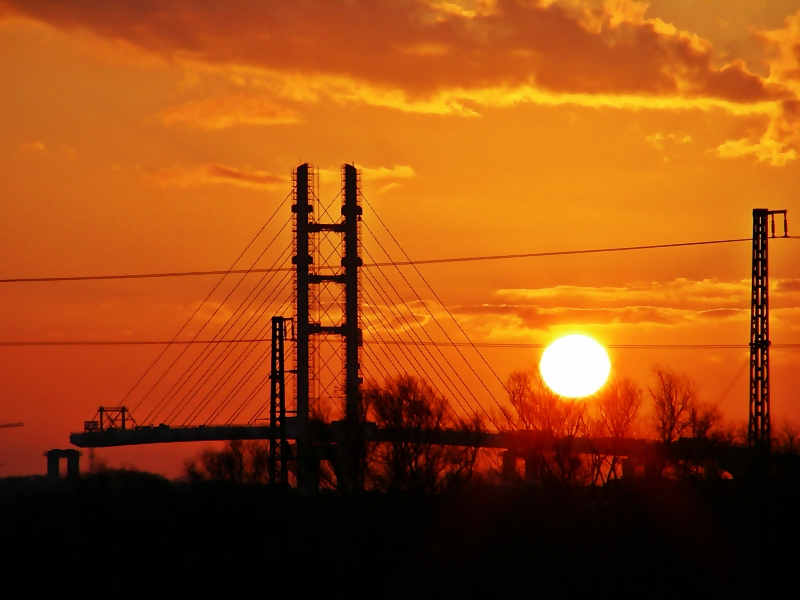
x,y
279,449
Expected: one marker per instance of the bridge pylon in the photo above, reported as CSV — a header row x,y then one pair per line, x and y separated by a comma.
x,y
313,324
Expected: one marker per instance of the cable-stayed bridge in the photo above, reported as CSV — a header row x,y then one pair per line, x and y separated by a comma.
x,y
291,334
283,345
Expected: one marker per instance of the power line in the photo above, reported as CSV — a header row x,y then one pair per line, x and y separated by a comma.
x,y
406,263
384,341
196,310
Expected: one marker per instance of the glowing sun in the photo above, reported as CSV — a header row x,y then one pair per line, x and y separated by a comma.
x,y
575,366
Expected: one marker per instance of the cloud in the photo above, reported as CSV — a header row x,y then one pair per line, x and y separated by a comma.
x,y
388,187
423,48
780,143
523,314
396,172
371,173
657,140
788,285
216,174
445,58
227,111
680,301
680,293
535,318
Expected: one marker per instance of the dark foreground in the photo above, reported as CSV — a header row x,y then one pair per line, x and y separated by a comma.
x,y
133,535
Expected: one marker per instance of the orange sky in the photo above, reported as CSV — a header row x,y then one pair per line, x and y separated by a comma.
x,y
143,136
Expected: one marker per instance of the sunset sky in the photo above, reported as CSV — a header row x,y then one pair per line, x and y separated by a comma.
x,y
145,136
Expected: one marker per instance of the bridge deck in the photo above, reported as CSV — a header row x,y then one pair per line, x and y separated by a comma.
x,y
334,432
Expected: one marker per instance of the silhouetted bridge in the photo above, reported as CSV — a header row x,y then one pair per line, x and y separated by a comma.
x,y
320,310
516,445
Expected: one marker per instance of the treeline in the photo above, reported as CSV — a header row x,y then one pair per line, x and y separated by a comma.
x,y
688,438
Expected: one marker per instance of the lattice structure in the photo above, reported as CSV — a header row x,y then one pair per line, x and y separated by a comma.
x,y
758,438
327,264
279,449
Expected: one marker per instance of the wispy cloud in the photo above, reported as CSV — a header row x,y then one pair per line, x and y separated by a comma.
x,y
227,111
658,140
216,174
392,173
677,302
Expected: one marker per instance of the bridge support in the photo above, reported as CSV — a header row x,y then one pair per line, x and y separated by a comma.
x,y
350,447
351,472
307,472
54,463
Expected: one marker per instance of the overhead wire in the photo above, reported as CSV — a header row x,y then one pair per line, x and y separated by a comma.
x,y
257,389
233,368
230,323
403,263
414,332
245,379
208,320
227,350
469,365
224,275
237,362
445,344
228,345
403,348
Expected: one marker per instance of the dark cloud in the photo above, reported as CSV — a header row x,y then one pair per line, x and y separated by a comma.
x,y
413,46
788,285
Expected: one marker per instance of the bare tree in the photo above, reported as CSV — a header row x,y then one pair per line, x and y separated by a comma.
x,y
537,408
237,462
679,413
704,420
408,404
226,464
618,406
674,397
787,440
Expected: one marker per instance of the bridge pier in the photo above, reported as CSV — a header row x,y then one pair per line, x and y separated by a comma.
x,y
54,457
628,468
509,467
533,461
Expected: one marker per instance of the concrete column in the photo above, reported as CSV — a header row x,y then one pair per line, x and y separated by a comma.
x,y
510,465
628,468
532,466
53,464
73,464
